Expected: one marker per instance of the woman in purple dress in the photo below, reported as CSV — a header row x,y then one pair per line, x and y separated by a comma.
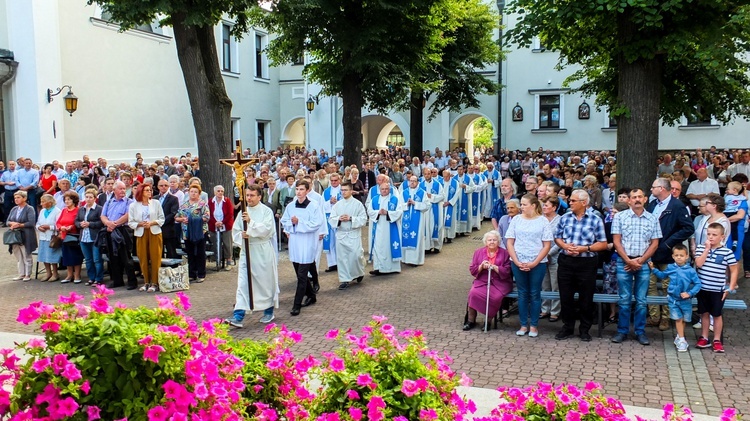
x,y
496,260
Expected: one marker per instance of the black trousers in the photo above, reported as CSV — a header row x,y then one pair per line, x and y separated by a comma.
x,y
8,204
577,275
196,255
123,262
170,247
304,283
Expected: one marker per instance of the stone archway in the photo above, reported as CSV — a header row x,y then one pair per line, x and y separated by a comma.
x,y
380,132
462,131
294,132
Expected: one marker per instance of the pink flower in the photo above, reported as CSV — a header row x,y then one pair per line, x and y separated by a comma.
x,y
172,389
50,326
379,319
66,407
465,380
28,315
336,364
158,413
375,409
59,361
101,305
36,343
400,418
102,290
592,386
332,334
70,299
269,327
71,372
573,416
86,387
40,365
165,303
352,394
366,381
152,352
355,413
93,412
184,300
409,388
146,340
427,414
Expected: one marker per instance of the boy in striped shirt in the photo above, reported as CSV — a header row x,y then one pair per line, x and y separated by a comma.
x,y
712,260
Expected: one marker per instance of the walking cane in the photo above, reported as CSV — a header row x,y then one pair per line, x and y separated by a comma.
x,y
218,250
487,308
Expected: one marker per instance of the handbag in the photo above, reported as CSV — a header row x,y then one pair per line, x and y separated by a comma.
x,y
55,242
12,237
70,238
173,279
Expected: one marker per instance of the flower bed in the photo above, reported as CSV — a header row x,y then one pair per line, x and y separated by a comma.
x,y
103,361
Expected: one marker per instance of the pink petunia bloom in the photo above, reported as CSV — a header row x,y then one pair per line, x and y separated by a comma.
x,y
165,303
152,352
184,300
28,315
355,413
269,327
366,381
409,388
86,387
465,380
427,415
70,299
53,327
67,407
387,329
59,362
158,413
36,343
101,305
146,340
400,418
71,372
40,365
379,319
375,409
573,416
336,364
332,334
201,391
93,412
352,394
101,290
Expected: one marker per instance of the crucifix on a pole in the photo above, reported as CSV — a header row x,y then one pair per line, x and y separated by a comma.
x,y
239,163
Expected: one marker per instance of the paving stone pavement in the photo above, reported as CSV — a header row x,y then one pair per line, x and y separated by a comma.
x,y
432,298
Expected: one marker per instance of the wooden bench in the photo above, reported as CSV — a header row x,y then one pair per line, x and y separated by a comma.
x,y
613,298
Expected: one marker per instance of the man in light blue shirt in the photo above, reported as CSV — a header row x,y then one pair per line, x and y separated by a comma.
x,y
27,179
8,180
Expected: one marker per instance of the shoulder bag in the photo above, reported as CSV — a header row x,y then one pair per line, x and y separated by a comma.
x,y
12,237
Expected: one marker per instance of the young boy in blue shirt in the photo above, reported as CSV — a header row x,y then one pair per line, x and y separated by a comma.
x,y
684,284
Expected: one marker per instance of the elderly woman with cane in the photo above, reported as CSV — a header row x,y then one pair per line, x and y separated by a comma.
x,y
490,268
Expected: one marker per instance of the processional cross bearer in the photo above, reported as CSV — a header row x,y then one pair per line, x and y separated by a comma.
x,y
239,163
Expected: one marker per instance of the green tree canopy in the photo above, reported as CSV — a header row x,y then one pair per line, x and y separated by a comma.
x,y
646,60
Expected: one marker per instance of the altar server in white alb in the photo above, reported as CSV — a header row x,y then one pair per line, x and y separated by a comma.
x,y
434,218
452,192
477,197
463,211
261,236
348,216
413,222
301,221
317,198
331,196
385,250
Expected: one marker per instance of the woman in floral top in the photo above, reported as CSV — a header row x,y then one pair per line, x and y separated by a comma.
x,y
193,215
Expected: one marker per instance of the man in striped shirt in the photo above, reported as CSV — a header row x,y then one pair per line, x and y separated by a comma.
x,y
712,260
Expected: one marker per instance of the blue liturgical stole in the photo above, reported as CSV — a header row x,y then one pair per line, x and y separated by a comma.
x,y
435,208
452,187
394,237
411,220
463,213
476,198
327,238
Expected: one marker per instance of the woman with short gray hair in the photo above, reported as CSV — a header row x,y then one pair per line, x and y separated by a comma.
x,y
490,263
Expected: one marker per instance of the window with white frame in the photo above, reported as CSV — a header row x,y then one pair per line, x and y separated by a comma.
x,y
263,133
261,58
699,117
549,109
235,130
537,46
230,60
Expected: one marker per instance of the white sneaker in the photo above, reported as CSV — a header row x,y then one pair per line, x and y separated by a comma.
x,y
233,322
682,346
267,318
697,325
677,340
65,281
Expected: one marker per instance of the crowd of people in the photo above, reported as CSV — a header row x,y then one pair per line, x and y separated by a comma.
x,y
557,219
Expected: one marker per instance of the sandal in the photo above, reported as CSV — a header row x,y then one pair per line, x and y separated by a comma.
x,y
152,288
143,288
90,283
612,319
553,319
747,274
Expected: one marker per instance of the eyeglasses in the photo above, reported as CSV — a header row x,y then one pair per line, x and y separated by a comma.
x,y
573,200
657,187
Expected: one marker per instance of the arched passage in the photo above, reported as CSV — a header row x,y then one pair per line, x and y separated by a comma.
x,y
379,131
294,132
462,131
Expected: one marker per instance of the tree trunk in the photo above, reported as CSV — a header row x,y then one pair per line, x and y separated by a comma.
x,y
352,120
416,125
209,103
639,89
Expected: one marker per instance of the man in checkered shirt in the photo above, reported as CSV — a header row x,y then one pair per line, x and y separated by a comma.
x,y
580,235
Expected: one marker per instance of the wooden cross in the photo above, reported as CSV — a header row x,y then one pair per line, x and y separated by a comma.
x,y
239,163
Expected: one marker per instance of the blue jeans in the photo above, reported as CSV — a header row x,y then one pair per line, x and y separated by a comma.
x,y
529,286
94,265
632,284
239,315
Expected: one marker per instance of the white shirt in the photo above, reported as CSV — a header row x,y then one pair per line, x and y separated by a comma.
x,y
219,213
706,186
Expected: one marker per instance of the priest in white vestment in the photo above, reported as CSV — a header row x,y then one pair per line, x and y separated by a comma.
x,y
477,197
348,216
434,219
413,222
463,206
492,193
451,189
385,212
264,275
374,191
331,195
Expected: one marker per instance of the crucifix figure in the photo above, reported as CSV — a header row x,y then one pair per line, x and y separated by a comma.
x,y
239,163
